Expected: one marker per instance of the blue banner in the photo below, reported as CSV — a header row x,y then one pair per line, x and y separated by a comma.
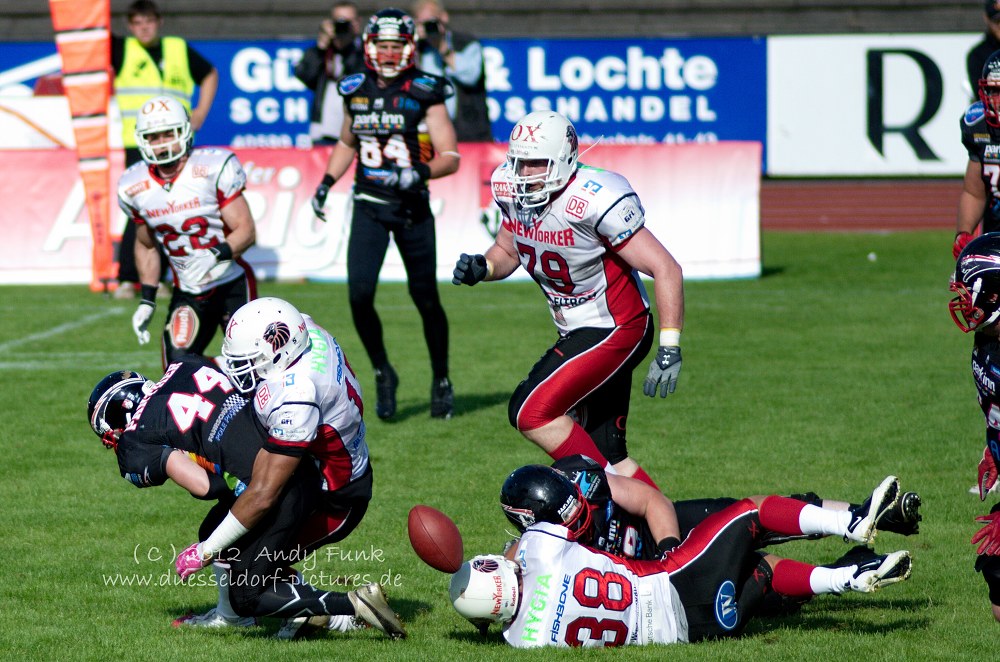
x,y
633,90
620,90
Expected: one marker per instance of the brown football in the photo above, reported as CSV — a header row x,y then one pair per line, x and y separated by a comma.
x,y
435,538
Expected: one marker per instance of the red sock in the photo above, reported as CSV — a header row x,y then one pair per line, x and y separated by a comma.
x,y
579,443
792,578
781,514
641,474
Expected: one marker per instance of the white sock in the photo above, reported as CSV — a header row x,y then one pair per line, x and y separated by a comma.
x,y
813,519
224,608
831,580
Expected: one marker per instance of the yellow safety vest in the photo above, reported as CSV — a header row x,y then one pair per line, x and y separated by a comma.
x,y
140,79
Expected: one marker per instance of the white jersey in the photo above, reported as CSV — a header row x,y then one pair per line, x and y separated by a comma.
x,y
569,247
315,406
575,596
186,214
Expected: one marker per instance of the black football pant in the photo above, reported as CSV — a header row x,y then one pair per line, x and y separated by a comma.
x,y
260,580
371,226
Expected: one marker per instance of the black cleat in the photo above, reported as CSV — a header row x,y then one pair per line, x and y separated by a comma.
x,y
904,517
386,383
442,398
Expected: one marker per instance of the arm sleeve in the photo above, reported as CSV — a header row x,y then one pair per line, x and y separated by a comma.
x,y
468,64
199,66
232,180
217,488
142,464
625,217
309,70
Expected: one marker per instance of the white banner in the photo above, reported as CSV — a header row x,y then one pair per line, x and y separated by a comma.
x,y
867,104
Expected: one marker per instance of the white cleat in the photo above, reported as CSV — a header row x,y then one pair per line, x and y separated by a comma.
x,y
371,606
866,516
882,570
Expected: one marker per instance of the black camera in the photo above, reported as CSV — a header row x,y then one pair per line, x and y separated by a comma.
x,y
432,28
342,28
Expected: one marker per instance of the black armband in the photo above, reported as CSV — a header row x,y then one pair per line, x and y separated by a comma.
x,y
423,170
667,544
148,294
328,180
217,488
223,251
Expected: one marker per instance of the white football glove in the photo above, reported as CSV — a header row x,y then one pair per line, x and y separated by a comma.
x,y
197,266
140,321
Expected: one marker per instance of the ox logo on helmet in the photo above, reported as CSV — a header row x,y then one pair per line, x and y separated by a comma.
x,y
277,334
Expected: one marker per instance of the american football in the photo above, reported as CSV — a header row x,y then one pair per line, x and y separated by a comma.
x,y
435,538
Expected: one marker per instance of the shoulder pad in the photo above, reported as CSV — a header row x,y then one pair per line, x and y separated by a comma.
x,y
974,113
431,89
348,84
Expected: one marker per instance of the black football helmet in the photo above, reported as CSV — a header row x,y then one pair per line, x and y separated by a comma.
x,y
589,477
977,284
389,25
536,493
113,402
989,89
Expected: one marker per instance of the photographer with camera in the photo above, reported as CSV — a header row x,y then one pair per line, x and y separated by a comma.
x,y
459,58
337,53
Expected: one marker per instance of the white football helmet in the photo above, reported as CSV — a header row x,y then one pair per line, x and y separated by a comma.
x,y
486,589
263,337
542,135
158,115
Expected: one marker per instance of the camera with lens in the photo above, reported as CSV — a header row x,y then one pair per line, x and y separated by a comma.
x,y
341,28
432,32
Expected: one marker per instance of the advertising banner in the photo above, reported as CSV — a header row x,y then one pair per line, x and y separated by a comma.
x,y
689,192
867,105
632,90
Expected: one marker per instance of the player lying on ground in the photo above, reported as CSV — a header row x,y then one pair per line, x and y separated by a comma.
x,y
194,428
549,590
633,520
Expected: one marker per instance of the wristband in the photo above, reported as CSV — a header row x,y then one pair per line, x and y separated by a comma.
x,y
423,170
667,544
217,488
228,532
223,251
148,294
670,337
328,180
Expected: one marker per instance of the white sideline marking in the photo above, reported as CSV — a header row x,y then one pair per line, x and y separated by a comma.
x,y
56,330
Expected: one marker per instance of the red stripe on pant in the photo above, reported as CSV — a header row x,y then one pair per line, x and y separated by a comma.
x,y
580,376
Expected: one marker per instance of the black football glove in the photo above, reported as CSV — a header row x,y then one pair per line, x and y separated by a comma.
x,y
470,269
663,372
319,198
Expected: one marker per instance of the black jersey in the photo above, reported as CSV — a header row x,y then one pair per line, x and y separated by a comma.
x,y
193,408
983,144
389,123
615,531
986,371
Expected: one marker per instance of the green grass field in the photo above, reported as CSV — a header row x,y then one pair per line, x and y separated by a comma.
x,y
826,374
